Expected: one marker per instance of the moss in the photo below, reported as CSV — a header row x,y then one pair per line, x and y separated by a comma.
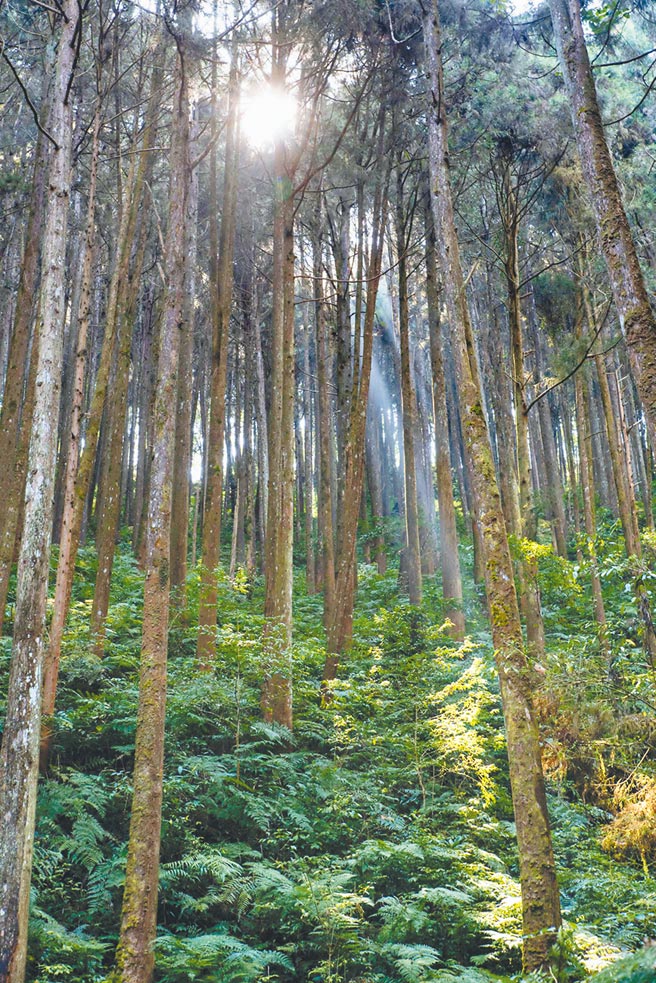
x,y
499,616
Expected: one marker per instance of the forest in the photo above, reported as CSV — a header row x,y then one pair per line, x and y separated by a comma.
x,y
327,458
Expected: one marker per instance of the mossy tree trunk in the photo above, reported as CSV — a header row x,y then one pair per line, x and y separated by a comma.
x,y
540,899
134,954
277,682
19,756
626,279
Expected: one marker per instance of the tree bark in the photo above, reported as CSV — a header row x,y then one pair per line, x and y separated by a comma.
x,y
338,629
408,404
449,558
81,359
182,462
587,485
19,756
134,954
325,423
221,286
308,488
540,901
76,503
617,245
277,642
12,421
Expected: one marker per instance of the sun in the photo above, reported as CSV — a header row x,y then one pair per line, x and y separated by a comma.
x,y
267,115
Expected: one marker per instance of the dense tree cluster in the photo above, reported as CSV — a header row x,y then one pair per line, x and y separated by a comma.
x,y
328,363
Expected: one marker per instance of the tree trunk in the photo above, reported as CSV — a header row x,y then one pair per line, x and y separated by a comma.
x,y
340,626
109,508
621,476
75,504
540,901
19,757
308,488
134,954
277,641
221,286
527,529
83,321
449,558
12,421
413,549
325,424
587,484
627,282
182,461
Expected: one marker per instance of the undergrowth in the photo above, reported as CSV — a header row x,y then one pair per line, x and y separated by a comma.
x,y
375,844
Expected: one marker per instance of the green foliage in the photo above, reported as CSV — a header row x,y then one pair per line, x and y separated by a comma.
x,y
214,958
638,968
376,844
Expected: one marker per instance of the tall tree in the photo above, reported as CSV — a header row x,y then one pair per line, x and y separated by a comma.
x,y
19,756
77,496
221,287
134,954
449,559
277,684
616,240
540,899
408,398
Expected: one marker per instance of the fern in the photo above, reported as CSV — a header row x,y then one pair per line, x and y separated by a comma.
x,y
412,963
219,958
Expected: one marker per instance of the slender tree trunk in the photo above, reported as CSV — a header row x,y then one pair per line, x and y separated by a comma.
x,y
627,282
308,489
12,421
621,477
75,504
277,642
340,625
449,558
553,477
182,460
19,756
134,954
587,484
527,529
109,509
262,437
81,358
145,392
408,403
540,900
325,424
373,463
571,470
221,286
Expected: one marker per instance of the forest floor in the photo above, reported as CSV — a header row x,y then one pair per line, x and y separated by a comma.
x,y
376,844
